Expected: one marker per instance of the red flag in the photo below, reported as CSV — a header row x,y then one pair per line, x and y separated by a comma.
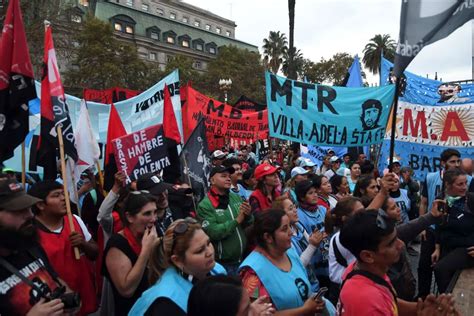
x,y
16,82
115,130
54,110
170,125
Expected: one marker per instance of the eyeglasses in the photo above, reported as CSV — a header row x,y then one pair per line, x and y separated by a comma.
x,y
140,192
381,219
181,228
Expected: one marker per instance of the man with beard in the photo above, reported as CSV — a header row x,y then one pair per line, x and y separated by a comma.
x,y
20,250
371,112
224,217
59,240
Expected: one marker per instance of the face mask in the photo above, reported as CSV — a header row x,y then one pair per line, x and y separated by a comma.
x,y
18,239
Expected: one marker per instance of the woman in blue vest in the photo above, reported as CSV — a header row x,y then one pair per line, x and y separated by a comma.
x,y
274,269
184,256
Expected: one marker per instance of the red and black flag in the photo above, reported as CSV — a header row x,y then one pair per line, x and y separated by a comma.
x,y
172,137
115,130
54,112
17,86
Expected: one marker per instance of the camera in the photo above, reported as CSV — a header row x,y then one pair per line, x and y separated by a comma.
x,y
70,300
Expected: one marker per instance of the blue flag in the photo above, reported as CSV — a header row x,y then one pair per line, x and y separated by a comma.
x,y
327,116
355,76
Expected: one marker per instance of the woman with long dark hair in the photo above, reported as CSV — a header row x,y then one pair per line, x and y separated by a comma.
x,y
266,191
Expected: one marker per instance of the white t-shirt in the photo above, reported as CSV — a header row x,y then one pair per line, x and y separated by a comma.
x,y
85,231
335,269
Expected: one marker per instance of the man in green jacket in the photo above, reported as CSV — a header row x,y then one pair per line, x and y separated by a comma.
x,y
224,216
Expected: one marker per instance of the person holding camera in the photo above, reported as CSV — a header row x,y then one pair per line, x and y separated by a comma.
x,y
38,290
454,248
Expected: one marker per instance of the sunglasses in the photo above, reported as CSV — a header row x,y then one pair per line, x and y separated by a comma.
x,y
445,91
181,228
381,219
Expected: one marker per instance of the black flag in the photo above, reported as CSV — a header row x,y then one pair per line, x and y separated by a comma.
x,y
423,22
195,161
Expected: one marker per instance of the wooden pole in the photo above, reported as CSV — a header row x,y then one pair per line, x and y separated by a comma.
x,y
66,192
23,165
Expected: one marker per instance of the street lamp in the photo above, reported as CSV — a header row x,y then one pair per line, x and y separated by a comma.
x,y
225,85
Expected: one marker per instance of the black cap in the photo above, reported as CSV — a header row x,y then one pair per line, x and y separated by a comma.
x,y
152,183
303,187
221,169
13,197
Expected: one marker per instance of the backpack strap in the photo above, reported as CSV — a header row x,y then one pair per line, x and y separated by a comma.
x,y
339,257
373,277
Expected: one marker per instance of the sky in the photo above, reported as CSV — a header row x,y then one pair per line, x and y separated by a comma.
x,y
326,27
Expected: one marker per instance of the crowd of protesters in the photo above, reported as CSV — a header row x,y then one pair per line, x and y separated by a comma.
x,y
279,235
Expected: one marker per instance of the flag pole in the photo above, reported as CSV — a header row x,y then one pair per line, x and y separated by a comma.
x,y
101,176
76,194
189,180
66,192
23,164
394,123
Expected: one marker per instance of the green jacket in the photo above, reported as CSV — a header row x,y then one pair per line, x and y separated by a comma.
x,y
227,236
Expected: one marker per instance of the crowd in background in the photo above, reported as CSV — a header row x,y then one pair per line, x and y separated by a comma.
x,y
274,234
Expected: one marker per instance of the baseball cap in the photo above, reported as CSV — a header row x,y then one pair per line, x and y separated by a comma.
x,y
395,160
303,187
263,170
306,162
218,154
221,169
13,196
298,170
152,183
335,159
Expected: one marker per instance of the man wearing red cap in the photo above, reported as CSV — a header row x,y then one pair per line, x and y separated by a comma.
x,y
266,190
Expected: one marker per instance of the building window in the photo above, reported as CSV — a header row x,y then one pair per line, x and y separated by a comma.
x,y
130,3
170,39
228,33
118,27
197,64
152,56
218,30
160,11
154,36
197,23
185,19
173,16
169,58
212,50
76,18
185,43
208,27
199,47
129,29
144,7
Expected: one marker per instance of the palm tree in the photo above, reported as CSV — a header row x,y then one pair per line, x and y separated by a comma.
x,y
295,58
291,14
373,51
274,47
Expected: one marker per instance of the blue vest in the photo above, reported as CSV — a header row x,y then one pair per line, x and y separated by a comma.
x,y
172,286
404,203
434,185
311,221
287,289
300,244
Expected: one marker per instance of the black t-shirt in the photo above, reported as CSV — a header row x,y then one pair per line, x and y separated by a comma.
x,y
164,306
124,304
17,297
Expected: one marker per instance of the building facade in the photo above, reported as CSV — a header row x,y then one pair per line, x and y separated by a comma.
x,y
162,29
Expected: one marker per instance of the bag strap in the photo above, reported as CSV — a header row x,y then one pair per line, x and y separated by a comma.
x,y
373,277
7,265
339,257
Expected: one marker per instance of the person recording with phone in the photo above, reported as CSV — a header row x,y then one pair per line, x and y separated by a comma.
x,y
454,248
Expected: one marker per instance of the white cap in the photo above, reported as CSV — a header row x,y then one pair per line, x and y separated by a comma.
x,y
306,162
297,171
334,159
218,154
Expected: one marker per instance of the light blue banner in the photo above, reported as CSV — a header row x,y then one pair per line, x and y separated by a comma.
x,y
324,115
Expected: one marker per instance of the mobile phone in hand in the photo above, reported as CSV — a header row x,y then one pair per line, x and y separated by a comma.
x,y
320,293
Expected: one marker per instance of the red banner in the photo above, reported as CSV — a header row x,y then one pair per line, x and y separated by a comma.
x,y
141,152
109,96
224,123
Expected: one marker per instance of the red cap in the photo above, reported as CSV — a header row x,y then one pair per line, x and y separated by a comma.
x,y
264,170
